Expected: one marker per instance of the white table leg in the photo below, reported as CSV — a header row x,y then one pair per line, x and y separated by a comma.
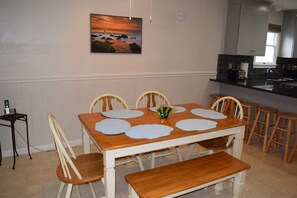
x,y
86,141
190,150
109,174
238,143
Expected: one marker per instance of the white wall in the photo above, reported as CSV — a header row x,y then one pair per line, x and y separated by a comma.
x,y
46,64
49,38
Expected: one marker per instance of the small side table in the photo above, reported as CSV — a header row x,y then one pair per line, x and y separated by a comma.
x,y
12,119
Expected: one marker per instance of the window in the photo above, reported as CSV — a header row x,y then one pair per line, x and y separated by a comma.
x,y
272,44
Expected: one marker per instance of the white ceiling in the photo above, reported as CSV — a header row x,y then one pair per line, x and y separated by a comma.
x,y
284,4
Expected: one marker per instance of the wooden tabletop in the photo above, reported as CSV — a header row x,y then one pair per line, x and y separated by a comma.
x,y
108,142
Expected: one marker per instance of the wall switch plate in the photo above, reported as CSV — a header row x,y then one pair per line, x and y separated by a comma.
x,y
180,16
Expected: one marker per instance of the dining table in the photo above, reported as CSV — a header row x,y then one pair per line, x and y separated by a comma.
x,y
122,144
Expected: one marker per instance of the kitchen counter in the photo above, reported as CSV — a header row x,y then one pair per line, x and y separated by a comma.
x,y
283,87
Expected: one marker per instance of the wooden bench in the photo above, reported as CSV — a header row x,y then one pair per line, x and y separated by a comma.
x,y
187,176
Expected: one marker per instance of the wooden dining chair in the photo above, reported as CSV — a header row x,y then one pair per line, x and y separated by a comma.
x,y
154,99
74,170
227,105
108,102
151,99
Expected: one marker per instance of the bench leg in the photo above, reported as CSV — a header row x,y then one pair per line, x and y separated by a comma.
x,y
238,184
132,193
218,188
231,183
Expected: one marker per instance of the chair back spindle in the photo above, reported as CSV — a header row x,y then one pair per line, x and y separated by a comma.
x,y
61,143
151,99
229,106
107,102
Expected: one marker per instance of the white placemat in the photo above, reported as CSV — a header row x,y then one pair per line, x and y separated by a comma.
x,y
195,124
148,131
124,113
208,113
154,109
178,109
112,126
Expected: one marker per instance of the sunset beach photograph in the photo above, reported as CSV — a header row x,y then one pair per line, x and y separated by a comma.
x,y
115,34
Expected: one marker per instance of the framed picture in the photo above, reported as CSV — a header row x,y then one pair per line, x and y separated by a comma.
x,y
115,34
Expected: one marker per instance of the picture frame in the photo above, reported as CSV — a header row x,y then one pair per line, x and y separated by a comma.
x,y
115,34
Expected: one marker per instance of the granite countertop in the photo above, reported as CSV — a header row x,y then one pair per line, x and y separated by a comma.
x,y
285,87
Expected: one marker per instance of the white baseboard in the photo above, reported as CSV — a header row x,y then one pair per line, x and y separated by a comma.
x,y
36,149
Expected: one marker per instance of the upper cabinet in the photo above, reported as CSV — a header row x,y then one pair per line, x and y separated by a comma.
x,y
246,30
288,47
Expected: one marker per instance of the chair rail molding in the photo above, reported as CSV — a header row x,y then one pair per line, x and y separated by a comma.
x,y
107,76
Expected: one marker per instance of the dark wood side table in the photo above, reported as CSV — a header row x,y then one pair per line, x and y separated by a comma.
x,y
12,119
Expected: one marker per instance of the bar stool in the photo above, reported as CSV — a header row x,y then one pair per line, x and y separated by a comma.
x,y
265,123
284,124
248,109
213,98
294,149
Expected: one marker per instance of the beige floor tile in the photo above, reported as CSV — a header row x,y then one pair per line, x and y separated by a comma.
x,y
268,177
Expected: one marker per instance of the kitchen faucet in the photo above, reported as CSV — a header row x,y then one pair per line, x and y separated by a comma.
x,y
268,72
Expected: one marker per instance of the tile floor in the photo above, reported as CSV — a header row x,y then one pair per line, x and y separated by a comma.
x,y
268,177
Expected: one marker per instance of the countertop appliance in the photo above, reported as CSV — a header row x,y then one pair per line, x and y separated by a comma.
x,y
241,75
245,67
233,74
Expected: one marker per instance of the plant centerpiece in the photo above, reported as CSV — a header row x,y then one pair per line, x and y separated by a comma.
x,y
163,111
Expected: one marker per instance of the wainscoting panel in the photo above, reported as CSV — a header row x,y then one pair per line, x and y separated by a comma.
x,y
67,97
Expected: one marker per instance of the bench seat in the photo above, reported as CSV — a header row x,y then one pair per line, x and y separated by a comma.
x,y
180,178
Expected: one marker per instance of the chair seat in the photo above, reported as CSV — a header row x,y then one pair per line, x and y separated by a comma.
x,y
249,104
216,96
267,110
90,167
227,105
286,115
108,102
155,99
216,143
